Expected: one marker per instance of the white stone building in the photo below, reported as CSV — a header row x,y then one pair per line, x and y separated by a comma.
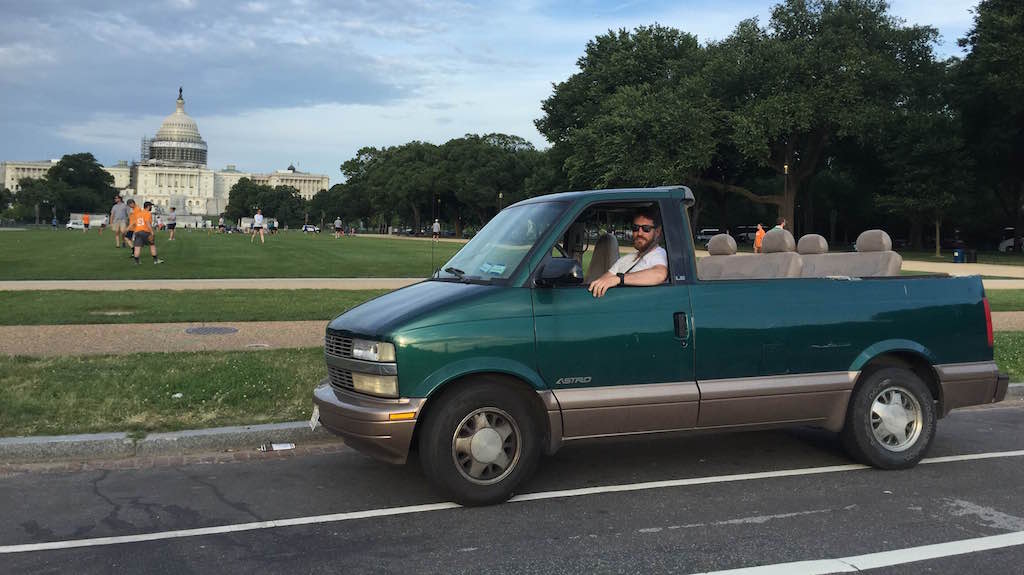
x,y
173,172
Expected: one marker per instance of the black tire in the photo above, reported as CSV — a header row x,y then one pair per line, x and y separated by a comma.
x,y
899,449
451,467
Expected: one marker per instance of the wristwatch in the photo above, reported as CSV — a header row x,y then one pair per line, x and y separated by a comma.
x,y
622,279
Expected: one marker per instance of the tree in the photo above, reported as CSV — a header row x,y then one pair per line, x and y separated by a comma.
x,y
991,89
242,199
823,70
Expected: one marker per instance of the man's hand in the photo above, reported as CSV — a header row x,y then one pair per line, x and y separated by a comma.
x,y
603,283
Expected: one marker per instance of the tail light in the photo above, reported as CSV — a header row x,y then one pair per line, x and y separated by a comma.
x,y
988,323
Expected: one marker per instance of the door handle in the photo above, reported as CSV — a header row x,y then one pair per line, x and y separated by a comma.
x,y
682,327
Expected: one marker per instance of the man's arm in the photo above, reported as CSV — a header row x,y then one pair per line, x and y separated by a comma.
x,y
649,277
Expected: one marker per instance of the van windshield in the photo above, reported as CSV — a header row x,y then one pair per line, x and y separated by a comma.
x,y
501,245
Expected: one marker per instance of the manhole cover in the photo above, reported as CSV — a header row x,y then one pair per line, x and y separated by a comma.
x,y
210,330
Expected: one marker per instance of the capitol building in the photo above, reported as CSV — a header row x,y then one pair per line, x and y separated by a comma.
x,y
172,171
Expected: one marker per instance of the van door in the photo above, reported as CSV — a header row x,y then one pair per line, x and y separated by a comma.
x,y
622,363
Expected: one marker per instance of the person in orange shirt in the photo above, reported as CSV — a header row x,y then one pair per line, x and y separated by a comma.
x,y
758,239
142,224
85,222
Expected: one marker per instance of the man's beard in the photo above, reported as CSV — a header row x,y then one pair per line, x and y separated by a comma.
x,y
641,244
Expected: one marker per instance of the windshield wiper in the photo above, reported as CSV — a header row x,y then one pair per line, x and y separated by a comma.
x,y
455,272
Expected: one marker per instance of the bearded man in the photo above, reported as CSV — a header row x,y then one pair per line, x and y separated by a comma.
x,y
647,267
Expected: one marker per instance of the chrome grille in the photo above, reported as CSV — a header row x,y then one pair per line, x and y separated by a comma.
x,y
340,378
338,346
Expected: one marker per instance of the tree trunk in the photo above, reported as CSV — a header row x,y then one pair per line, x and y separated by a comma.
x,y
788,206
415,219
916,233
808,213
1018,230
833,215
938,224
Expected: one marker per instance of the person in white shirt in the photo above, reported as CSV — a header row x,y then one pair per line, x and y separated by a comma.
x,y
257,227
436,230
647,267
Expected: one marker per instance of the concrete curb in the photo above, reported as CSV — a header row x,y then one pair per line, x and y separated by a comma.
x,y
237,438
121,445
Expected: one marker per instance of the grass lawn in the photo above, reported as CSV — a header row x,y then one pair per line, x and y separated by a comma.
x,y
993,257
50,255
55,396
161,306
1005,299
1010,354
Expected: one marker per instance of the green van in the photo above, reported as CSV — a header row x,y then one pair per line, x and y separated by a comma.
x,y
504,354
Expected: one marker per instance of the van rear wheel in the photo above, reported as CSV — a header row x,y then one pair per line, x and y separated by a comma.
x,y
890,422
480,443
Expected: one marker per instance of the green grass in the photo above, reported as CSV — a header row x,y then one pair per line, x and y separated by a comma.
x,y
54,396
162,306
49,255
1005,299
993,257
1010,354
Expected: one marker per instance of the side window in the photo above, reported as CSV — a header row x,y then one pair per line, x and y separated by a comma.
x,y
603,234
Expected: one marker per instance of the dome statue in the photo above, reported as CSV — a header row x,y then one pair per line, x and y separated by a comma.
x,y
178,142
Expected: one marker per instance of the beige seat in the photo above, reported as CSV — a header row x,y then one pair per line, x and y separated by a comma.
x,y
813,250
778,260
606,253
874,258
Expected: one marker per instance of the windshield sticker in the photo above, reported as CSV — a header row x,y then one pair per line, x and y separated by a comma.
x,y
498,269
486,268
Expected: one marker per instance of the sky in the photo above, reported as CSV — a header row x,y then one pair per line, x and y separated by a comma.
x,y
309,82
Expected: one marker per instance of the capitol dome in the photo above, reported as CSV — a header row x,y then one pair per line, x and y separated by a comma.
x,y
178,142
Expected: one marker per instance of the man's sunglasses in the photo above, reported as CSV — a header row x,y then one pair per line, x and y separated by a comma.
x,y
647,228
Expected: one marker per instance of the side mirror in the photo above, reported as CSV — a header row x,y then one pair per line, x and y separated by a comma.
x,y
560,271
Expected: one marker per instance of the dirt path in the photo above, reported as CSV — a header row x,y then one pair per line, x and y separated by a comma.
x,y
64,340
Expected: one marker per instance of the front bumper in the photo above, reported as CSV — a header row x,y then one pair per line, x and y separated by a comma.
x,y
365,422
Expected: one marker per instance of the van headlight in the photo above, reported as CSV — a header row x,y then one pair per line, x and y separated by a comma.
x,y
373,350
382,385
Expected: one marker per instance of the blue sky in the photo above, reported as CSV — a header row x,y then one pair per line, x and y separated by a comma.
x,y
310,82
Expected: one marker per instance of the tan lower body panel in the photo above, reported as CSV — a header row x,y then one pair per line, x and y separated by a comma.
x,y
623,409
818,398
966,384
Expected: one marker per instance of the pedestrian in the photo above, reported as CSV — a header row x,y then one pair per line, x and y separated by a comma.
x,y
53,223
758,238
85,222
257,227
337,227
220,225
142,221
780,223
436,230
129,235
119,220
172,222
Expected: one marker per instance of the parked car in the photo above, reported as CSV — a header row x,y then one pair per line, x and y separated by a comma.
x,y
504,355
706,234
1007,245
75,225
310,228
745,234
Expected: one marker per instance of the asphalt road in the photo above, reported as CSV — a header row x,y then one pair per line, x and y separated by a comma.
x,y
716,523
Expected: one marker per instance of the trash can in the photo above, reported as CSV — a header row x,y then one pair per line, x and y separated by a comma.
x,y
958,256
971,256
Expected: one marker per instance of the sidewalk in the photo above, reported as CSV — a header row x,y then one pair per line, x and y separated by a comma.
x,y
127,338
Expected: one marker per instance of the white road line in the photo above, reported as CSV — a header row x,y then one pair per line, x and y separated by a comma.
x,y
393,511
858,563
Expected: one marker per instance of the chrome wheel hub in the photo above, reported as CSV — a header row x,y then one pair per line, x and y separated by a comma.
x,y
896,419
485,446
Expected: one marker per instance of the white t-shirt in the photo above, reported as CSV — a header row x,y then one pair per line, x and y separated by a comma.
x,y
436,228
257,221
655,257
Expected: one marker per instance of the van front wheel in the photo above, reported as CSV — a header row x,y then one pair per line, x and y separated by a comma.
x,y
890,422
480,443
